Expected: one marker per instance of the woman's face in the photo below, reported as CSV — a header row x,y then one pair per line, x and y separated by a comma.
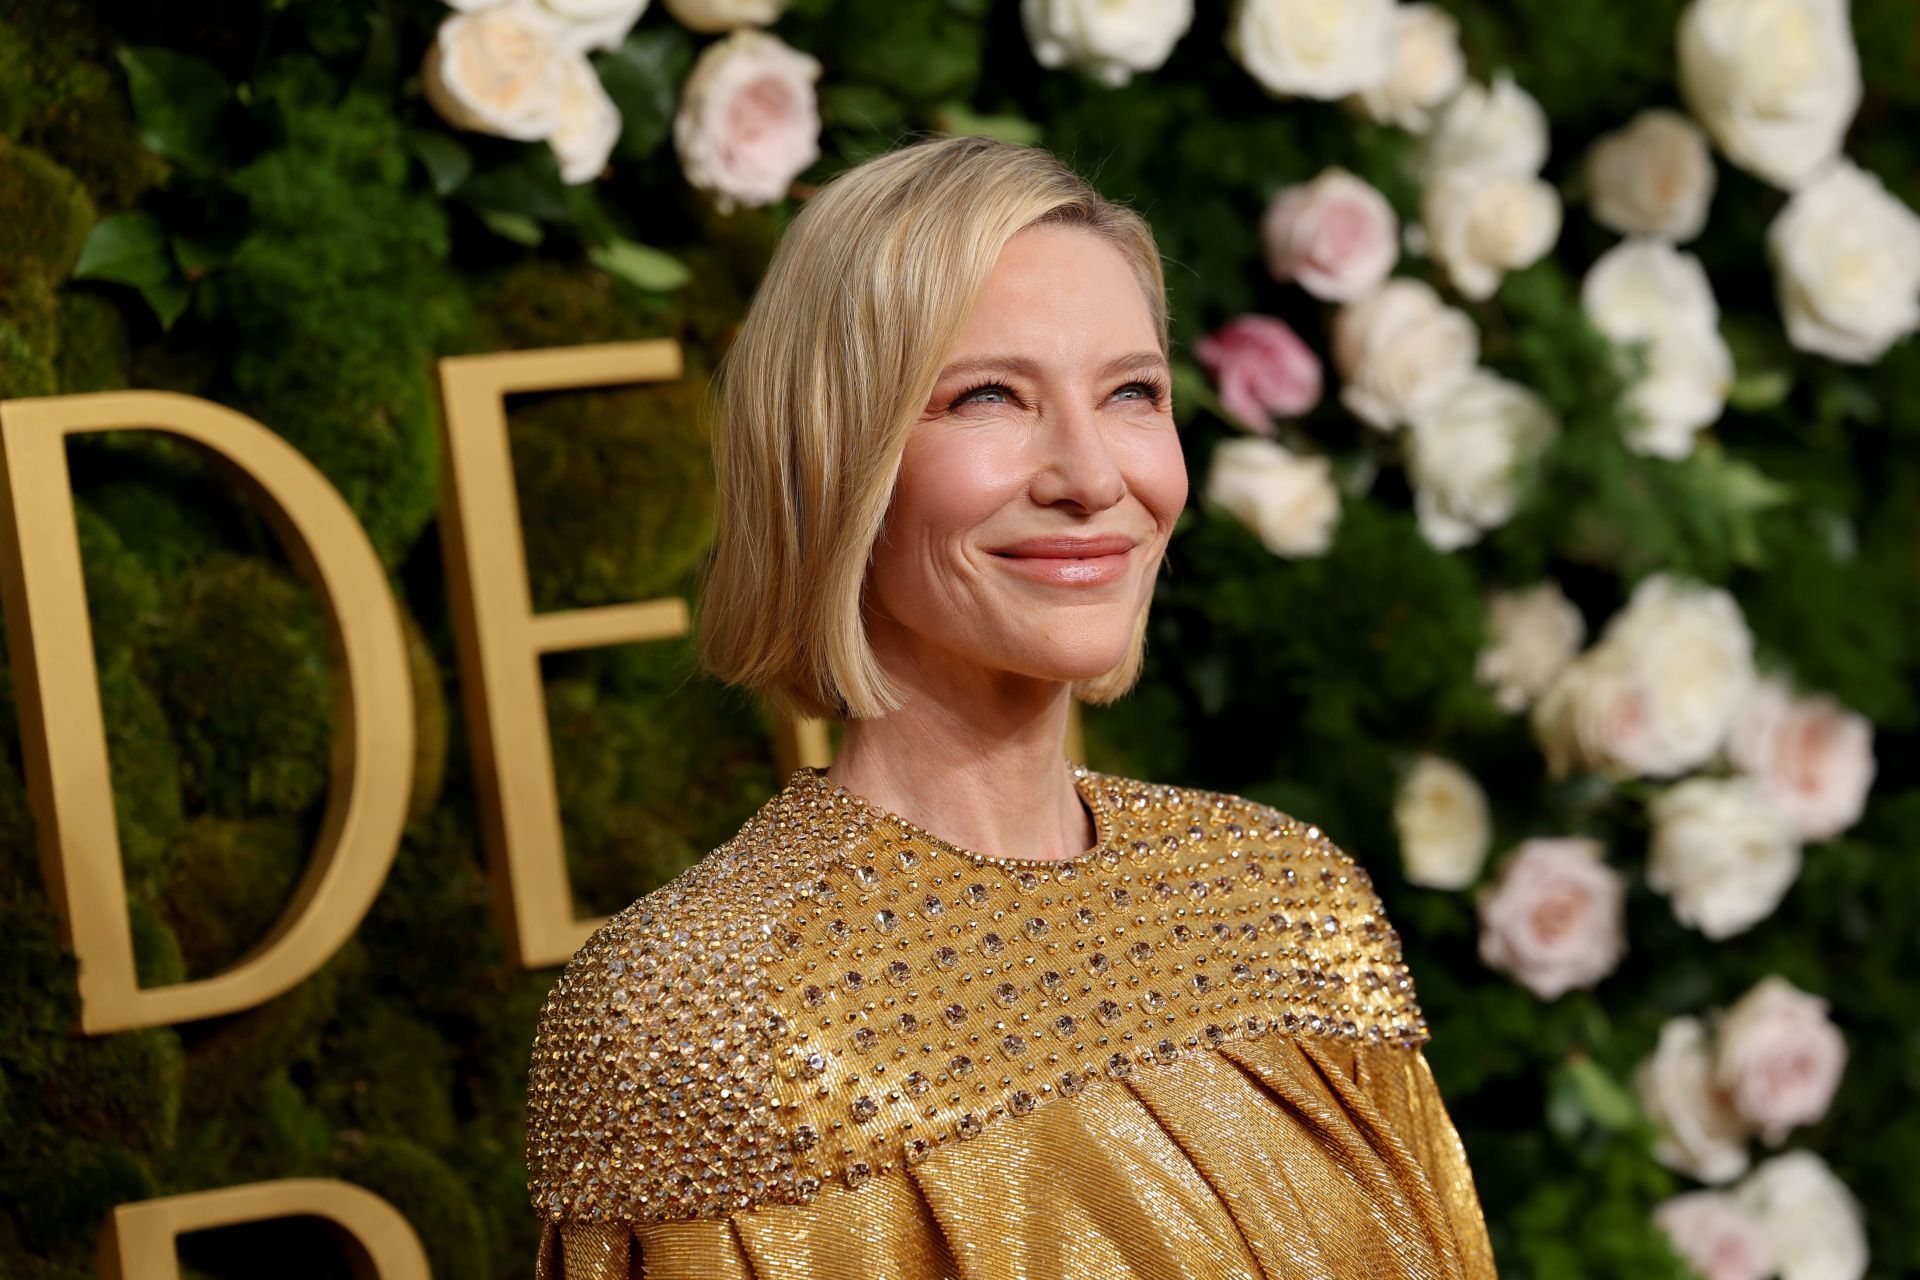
x,y
1037,492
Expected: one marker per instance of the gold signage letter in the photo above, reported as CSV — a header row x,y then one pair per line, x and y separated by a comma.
x,y
138,1241
500,639
51,643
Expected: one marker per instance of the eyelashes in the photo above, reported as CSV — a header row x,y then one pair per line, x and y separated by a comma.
x,y
1156,389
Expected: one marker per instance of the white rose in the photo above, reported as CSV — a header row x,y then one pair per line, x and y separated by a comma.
x,y
1812,755
1444,827
1691,644
589,124
1310,48
1776,82
1812,1222
1598,714
500,70
1552,918
1721,852
1644,291
1532,635
1336,236
1480,225
725,15
1497,128
1471,453
1111,39
595,24
1717,1237
748,122
1655,177
1778,1057
1399,350
1846,262
1286,498
1699,1132
1428,68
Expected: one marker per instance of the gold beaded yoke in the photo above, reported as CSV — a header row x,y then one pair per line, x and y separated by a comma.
x,y
836,998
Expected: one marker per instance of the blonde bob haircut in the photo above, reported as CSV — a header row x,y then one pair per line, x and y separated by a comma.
x,y
868,290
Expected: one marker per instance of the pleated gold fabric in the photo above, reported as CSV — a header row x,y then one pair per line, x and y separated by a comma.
x,y
841,1046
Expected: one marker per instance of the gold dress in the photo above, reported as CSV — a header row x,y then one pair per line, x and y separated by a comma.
x,y
839,1046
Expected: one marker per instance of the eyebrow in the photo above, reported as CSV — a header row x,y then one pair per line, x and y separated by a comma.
x,y
1030,369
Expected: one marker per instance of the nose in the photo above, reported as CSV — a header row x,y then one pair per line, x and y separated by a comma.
x,y
1076,464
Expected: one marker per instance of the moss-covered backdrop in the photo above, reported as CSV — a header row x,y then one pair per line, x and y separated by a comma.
x,y
326,238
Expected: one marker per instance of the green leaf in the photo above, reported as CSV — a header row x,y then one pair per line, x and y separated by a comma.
x,y
528,184
180,102
131,249
643,78
1582,1091
954,118
1761,390
517,227
447,162
641,265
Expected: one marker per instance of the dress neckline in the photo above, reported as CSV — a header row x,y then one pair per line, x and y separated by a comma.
x,y
1083,783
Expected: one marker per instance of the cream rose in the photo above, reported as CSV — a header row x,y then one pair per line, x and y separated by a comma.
x,y
1444,826
589,124
1778,1057
748,122
1776,82
1496,128
1695,653
1532,635
1717,1237
1655,177
1110,39
1479,226
1312,49
1552,918
1643,292
1811,754
1721,852
1598,714
1470,456
501,70
1400,350
1336,236
725,15
1846,262
595,24
1287,499
1699,1132
1427,69
1813,1224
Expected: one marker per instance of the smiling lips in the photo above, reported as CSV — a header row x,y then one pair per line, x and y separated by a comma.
x,y
1068,561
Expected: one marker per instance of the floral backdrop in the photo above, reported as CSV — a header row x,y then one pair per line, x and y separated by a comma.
x,y
1546,374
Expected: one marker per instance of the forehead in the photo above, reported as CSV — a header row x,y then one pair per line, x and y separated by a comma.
x,y
1062,291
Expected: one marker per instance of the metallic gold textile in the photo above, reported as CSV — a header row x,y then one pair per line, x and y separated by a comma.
x,y
841,1046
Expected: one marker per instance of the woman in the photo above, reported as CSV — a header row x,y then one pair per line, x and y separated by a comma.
x,y
955,1005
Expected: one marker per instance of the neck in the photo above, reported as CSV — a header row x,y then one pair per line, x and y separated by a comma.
x,y
983,768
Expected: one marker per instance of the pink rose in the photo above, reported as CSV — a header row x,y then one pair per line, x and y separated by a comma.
x,y
1262,368
749,122
1336,235
1715,1235
1552,918
1810,753
1778,1057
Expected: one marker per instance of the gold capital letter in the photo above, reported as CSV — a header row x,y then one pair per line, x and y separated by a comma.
x,y
138,1241
51,643
500,639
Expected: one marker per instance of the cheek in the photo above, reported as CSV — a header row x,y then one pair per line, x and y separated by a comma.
x,y
950,483
1157,475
